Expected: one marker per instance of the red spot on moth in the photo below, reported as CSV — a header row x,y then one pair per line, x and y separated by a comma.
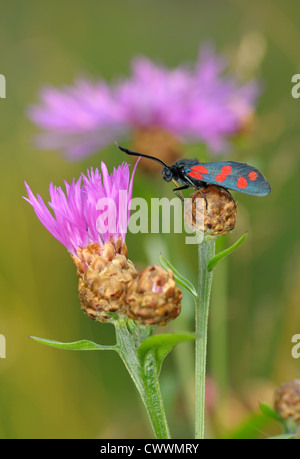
x,y
220,178
242,183
226,170
195,175
199,169
252,176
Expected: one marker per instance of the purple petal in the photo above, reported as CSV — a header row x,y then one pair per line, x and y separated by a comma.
x,y
75,212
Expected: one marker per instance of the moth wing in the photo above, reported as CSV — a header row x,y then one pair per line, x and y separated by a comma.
x,y
231,175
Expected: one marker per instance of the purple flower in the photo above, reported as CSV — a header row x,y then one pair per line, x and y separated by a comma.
x,y
91,210
193,105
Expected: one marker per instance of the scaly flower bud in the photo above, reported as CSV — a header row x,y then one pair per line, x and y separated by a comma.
x,y
103,273
287,401
215,215
153,297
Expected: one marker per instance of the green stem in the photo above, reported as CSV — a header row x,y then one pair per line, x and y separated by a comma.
x,y
144,377
206,250
218,323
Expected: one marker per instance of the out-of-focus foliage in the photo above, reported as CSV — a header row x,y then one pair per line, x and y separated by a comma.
x,y
48,393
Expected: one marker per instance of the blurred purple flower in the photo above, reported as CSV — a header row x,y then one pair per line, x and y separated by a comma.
x,y
200,105
80,214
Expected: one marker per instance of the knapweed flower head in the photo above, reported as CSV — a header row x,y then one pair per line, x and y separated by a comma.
x,y
154,107
90,219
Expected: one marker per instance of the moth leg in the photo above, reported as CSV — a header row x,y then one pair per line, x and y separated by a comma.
x,y
204,197
184,187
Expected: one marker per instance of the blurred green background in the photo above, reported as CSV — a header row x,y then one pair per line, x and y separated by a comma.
x,y
48,393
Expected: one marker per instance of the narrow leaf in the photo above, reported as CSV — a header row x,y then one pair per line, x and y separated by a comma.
x,y
161,354
285,436
215,260
249,428
268,411
180,279
162,344
82,345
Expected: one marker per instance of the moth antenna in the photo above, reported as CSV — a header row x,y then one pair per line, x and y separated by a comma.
x,y
134,153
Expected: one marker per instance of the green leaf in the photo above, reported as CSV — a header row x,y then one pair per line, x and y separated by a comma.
x,y
162,344
250,428
215,260
268,411
82,345
285,436
180,279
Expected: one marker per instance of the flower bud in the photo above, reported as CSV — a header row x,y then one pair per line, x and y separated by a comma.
x,y
287,401
214,215
153,297
104,273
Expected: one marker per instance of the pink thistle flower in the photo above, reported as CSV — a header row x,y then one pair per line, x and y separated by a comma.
x,y
192,105
93,209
